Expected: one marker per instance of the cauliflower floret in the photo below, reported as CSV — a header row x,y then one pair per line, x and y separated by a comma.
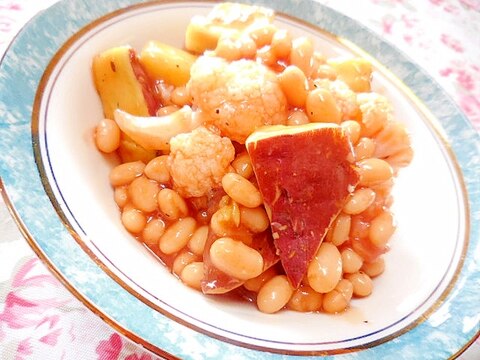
x,y
237,97
345,98
376,112
198,160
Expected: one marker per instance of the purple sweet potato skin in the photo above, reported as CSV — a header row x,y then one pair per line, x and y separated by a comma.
x,y
304,179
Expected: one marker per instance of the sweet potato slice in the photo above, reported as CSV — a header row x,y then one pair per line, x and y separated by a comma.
x,y
122,83
305,178
165,62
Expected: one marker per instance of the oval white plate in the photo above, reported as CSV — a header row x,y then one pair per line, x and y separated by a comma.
x,y
427,298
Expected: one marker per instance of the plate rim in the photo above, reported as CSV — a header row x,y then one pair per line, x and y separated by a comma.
x,y
52,266
53,71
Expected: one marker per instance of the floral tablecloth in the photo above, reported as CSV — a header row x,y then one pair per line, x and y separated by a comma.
x,y
40,319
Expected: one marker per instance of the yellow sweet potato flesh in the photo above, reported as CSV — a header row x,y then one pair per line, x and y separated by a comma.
x,y
129,151
165,62
117,84
118,87
199,37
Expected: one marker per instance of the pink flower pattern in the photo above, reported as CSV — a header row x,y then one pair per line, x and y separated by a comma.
x,y
109,349
451,43
471,4
39,319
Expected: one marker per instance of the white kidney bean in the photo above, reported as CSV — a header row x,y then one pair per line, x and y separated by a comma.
x,y
243,165
107,136
294,85
254,219
334,302
222,221
381,229
340,229
192,275
359,201
345,287
301,54
266,57
143,194
321,106
180,96
338,299
281,44
153,231
196,244
305,299
177,235
362,284
374,268
241,190
352,129
171,204
297,117
120,196
133,220
364,149
325,270
274,295
373,171
325,71
236,259
124,174
181,260
157,169
351,261
401,159
263,35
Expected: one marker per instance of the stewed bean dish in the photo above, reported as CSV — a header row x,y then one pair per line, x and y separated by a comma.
x,y
252,164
